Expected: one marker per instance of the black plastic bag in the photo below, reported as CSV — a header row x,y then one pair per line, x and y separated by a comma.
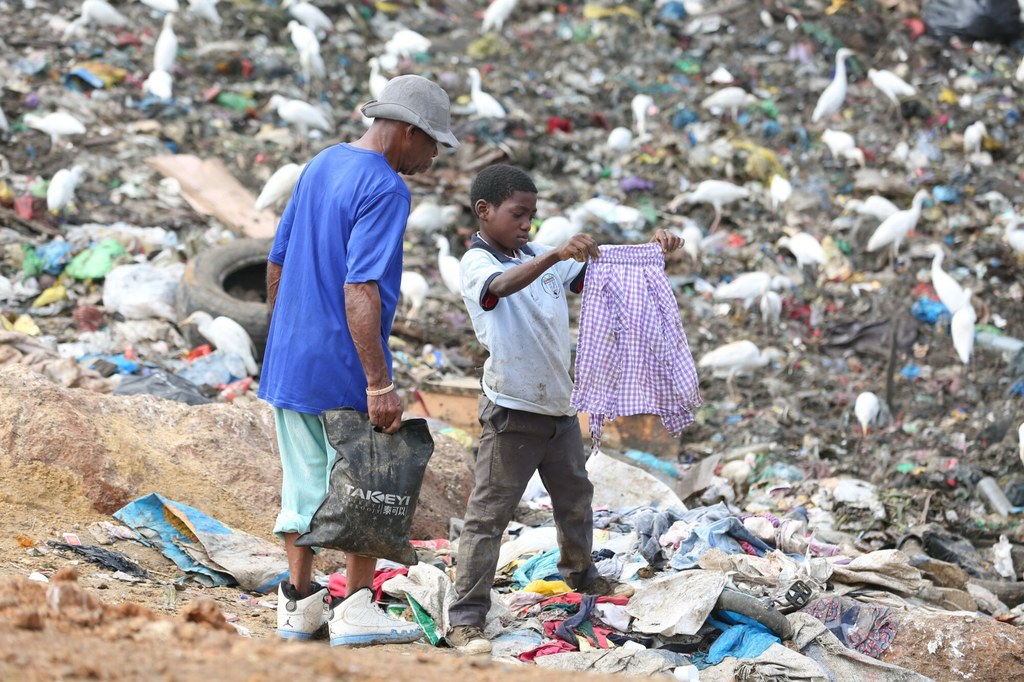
x,y
996,20
163,385
374,487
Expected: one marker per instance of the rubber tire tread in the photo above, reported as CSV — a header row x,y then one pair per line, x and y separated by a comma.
x,y
737,602
202,288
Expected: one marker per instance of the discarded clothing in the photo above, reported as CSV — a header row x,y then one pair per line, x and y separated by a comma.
x,y
632,356
542,566
725,534
338,582
642,662
863,627
741,637
579,626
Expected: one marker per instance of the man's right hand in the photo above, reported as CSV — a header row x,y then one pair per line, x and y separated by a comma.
x,y
385,411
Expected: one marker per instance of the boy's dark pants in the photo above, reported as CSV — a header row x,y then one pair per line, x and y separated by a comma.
x,y
513,445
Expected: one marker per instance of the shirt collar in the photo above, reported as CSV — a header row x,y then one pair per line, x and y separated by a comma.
x,y
479,243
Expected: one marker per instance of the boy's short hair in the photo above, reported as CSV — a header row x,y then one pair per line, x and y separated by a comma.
x,y
499,182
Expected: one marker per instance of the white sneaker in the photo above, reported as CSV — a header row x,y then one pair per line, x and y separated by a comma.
x,y
358,621
300,618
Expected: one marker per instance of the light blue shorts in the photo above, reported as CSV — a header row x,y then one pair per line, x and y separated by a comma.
x,y
306,461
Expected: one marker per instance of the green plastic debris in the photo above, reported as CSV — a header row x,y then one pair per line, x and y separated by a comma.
x,y
95,262
423,619
905,467
844,246
688,66
38,188
32,265
235,101
770,109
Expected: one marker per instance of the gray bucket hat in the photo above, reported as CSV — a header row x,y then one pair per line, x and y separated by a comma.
x,y
416,100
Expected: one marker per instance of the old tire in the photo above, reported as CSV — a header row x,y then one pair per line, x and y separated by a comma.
x,y
743,604
230,280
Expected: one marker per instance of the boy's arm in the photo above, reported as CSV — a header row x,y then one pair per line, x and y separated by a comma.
x,y
579,247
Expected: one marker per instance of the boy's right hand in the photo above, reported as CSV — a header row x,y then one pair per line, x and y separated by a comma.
x,y
579,248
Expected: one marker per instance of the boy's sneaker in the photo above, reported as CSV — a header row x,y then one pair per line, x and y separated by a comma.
x,y
300,618
603,587
469,639
358,621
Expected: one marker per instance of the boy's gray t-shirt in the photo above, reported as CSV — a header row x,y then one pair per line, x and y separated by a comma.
x,y
527,333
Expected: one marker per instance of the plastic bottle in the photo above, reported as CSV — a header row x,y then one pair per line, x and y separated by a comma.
x,y
998,342
993,495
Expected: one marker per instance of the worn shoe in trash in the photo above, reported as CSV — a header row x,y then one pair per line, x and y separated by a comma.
x,y
301,618
603,587
358,621
468,639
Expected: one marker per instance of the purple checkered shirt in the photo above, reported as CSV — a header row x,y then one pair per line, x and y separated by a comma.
x,y
632,356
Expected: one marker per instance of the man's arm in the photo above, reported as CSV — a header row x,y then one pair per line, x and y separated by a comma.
x,y
362,308
273,281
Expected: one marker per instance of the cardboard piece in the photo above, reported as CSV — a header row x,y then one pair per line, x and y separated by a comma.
x,y
210,189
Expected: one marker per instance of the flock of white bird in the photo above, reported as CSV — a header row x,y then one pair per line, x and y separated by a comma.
x,y
309,25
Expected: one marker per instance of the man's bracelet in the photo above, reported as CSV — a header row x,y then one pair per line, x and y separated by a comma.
x,y
387,389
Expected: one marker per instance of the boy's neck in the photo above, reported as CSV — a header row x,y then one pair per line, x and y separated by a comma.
x,y
510,254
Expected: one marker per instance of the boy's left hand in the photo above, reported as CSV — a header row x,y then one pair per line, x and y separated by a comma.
x,y
669,242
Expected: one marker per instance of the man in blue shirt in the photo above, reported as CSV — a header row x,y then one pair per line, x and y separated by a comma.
x,y
333,278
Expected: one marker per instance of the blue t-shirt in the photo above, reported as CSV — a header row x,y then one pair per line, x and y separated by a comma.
x,y
343,225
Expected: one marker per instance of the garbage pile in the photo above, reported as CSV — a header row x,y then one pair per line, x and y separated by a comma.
x,y
847,182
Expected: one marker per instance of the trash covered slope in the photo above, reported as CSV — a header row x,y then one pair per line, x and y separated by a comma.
x,y
722,92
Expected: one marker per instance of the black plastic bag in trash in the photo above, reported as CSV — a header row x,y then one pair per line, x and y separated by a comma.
x,y
996,20
163,385
374,487
107,558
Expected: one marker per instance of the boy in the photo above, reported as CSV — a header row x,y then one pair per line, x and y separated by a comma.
x,y
515,293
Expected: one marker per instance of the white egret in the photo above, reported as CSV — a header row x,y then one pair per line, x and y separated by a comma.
x,y
832,97
718,193
779,191
1020,440
485,103
278,189
771,309
429,217
642,106
692,237
406,43
4,126
746,286
305,41
57,125
721,76
414,289
205,10
61,190
895,228
302,115
728,99
948,289
557,229
620,139
875,206
842,146
98,12
867,407
162,5
1014,236
1020,71
165,51
225,334
309,15
805,248
496,14
448,266
377,80
891,85
962,329
738,357
159,84
974,135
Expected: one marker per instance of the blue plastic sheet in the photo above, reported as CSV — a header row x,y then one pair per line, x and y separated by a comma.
x,y
55,255
741,637
185,535
927,310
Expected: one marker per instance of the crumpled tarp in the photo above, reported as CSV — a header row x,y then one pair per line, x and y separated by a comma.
x,y
430,587
676,603
888,568
204,547
643,662
617,485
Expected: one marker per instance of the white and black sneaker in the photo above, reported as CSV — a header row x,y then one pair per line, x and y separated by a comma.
x,y
358,621
301,618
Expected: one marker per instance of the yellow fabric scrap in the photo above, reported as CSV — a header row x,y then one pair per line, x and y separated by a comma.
x,y
596,12
549,587
947,96
25,325
55,293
